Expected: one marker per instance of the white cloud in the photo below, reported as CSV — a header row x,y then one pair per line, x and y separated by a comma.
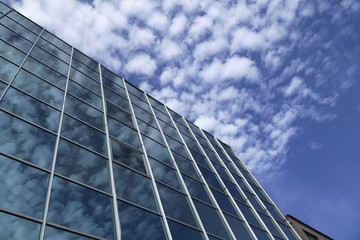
x,y
178,25
295,86
141,64
170,50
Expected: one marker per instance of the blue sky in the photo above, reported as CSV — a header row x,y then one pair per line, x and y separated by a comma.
x,y
278,80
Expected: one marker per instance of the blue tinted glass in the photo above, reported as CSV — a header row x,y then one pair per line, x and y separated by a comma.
x,y
85,59
56,41
83,134
55,234
156,150
23,188
85,69
31,109
54,50
162,116
135,91
84,94
110,75
249,214
7,70
210,178
39,88
143,115
211,220
3,8
140,103
181,232
221,171
80,208
197,189
150,131
84,80
15,228
81,165
116,88
238,227
165,174
15,39
234,191
241,182
254,202
123,133
11,53
119,114
288,232
260,234
127,156
176,205
25,141
2,87
25,22
49,60
175,145
167,129
224,202
134,187
270,225
211,155
199,158
138,224
18,29
185,165
273,211
116,99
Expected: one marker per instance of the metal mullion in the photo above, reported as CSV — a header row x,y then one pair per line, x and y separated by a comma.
x,y
84,102
55,46
51,54
19,215
262,204
86,88
222,183
24,162
179,173
71,230
252,192
227,226
83,72
21,65
51,179
5,14
111,170
147,164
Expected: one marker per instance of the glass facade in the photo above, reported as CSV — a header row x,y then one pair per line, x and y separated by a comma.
x,y
84,154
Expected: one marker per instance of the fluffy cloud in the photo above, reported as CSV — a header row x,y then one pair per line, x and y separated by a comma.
x,y
141,64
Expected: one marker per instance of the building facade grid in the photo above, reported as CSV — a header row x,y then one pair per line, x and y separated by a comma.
x,y
84,154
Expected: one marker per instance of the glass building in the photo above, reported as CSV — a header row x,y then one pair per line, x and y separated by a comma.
x,y
84,154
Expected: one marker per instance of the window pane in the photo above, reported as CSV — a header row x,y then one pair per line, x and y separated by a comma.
x,y
221,171
270,225
165,174
254,201
11,53
162,116
116,88
199,158
15,228
39,88
45,72
23,188
81,165
118,113
210,178
85,69
54,50
150,131
117,99
3,8
157,104
15,39
134,187
197,189
25,22
85,81
156,150
18,29
135,91
138,224
49,60
2,87
83,134
123,133
169,130
249,215
211,220
25,141
128,156
56,41
7,70
288,232
234,191
175,145
273,211
181,232
224,202
107,73
185,165
31,109
84,112
238,227
85,59
80,208
260,234
145,116
139,103
84,94
176,205
55,234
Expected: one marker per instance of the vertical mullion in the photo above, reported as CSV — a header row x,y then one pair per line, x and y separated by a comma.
x,y
227,226
51,179
147,163
178,173
111,170
248,201
221,182
259,185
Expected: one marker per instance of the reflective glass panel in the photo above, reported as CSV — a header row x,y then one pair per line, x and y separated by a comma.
x,y
56,41
25,22
39,88
25,141
49,60
18,29
135,91
11,53
15,39
210,178
260,234
145,116
211,155
165,174
238,227
45,72
2,87
84,112
23,188
221,171
15,228
84,80
254,202
150,131
156,150
116,88
83,134
85,69
181,232
241,182
157,104
224,202
85,59
134,187
191,143
127,156
81,165
175,145
288,232
119,114
53,50
138,224
117,99
270,225
183,129
140,103
123,133
55,234
260,193
110,75
199,158
249,215
7,70
273,212
84,94
176,205
3,8
211,220
162,116
185,165
80,208
197,189
31,109
234,191
167,129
